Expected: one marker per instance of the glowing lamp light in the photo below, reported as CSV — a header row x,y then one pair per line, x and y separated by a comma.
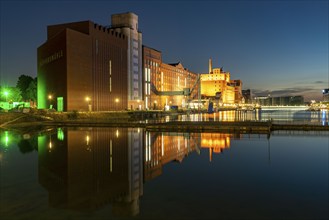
x,y
116,100
6,93
87,139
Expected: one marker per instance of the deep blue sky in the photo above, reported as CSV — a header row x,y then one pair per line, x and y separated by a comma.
x,y
276,46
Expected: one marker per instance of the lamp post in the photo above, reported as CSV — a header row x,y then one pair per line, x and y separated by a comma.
x,y
138,101
116,103
155,105
88,101
50,97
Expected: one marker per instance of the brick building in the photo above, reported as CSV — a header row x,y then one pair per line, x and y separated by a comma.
x,y
82,66
167,84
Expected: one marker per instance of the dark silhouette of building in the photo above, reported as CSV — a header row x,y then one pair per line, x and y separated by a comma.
x,y
246,94
280,101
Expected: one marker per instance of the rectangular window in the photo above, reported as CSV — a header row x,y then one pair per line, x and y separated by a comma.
x,y
145,74
136,85
149,75
111,169
60,104
110,72
110,84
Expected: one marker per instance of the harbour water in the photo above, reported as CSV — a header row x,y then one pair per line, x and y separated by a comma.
x,y
132,173
278,116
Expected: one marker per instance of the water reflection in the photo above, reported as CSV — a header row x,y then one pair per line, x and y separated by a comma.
x,y
217,142
87,169
100,172
279,116
164,147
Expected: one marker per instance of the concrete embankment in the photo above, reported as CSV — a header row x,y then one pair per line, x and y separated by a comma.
x,y
28,122
190,126
299,127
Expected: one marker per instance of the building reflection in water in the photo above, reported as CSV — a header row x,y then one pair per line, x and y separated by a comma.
x,y
87,169
217,142
224,116
164,147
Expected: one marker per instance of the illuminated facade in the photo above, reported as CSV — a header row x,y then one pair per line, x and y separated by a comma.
x,y
83,66
217,84
167,84
152,60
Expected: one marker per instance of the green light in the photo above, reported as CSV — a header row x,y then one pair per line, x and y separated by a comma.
x,y
6,139
60,104
6,93
42,92
42,142
60,134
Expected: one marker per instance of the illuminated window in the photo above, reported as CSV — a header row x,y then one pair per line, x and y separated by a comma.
x,y
149,75
145,74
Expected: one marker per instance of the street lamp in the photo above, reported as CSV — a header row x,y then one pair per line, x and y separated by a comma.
x,y
116,103
50,97
155,104
6,93
88,101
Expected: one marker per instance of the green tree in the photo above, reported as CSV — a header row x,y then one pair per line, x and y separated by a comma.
x,y
32,90
23,84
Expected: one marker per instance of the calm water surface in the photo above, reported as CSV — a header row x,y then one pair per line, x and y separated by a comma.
x,y
277,116
123,173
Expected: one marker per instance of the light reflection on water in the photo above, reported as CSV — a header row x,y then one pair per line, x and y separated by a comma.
x,y
93,173
279,116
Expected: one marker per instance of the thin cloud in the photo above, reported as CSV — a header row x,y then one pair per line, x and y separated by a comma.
x,y
319,82
284,92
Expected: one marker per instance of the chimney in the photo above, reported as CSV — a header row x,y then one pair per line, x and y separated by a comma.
x,y
210,66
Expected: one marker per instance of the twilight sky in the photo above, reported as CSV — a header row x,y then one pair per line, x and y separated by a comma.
x,y
278,46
